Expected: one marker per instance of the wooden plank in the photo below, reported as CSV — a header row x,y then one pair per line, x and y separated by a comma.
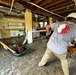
x,y
3,20
53,3
5,33
61,5
42,3
6,47
39,31
12,20
43,37
39,11
14,24
65,7
66,10
3,24
7,2
36,1
0,35
15,20
15,27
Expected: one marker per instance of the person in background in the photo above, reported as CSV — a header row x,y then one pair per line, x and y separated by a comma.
x,y
63,33
36,34
49,32
38,27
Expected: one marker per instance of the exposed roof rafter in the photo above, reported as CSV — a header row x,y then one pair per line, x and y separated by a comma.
x,y
49,7
45,9
63,7
36,1
63,4
53,3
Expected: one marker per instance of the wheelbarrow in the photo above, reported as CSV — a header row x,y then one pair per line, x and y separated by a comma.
x,y
14,52
14,45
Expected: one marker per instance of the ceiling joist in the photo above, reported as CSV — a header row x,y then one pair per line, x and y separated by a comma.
x,y
44,2
8,3
68,6
44,9
61,5
53,3
52,7
36,1
66,11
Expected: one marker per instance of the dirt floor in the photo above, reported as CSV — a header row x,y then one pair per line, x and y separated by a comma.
x,y
28,63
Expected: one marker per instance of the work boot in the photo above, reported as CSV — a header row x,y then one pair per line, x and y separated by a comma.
x,y
41,64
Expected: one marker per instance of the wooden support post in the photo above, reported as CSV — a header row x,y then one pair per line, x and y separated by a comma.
x,y
50,20
28,25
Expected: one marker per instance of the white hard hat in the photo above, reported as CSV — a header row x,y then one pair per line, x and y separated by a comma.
x,y
72,15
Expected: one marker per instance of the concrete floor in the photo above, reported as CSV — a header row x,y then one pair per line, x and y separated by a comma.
x,y
28,63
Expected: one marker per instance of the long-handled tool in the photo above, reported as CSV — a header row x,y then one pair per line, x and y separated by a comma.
x,y
71,51
6,47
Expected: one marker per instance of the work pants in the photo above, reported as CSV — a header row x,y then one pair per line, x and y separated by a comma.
x,y
64,63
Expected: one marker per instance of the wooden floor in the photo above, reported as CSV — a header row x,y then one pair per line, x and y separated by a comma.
x,y
28,63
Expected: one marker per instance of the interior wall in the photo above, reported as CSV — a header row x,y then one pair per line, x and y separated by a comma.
x,y
10,23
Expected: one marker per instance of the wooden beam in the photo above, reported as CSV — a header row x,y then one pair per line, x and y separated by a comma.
x,y
45,9
36,1
66,10
63,7
6,2
6,47
53,3
44,2
60,5
39,11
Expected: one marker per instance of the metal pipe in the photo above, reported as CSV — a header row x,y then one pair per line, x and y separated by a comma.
x,y
44,9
